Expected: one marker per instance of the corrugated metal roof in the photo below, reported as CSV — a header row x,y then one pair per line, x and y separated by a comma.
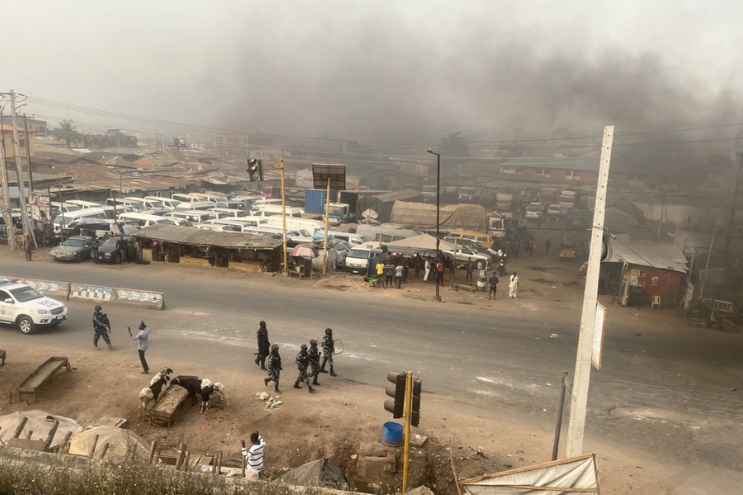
x,y
660,255
576,163
198,237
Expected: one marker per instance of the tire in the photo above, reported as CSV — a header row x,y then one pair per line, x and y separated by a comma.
x,y
25,325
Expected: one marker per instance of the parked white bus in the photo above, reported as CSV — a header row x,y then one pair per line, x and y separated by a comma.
x,y
230,212
194,216
146,220
276,210
167,203
71,220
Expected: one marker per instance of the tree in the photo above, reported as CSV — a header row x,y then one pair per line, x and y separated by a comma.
x,y
67,132
454,145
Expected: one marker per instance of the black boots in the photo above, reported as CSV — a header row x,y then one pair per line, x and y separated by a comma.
x,y
332,371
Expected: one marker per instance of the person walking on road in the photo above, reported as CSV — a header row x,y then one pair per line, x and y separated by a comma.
x,y
427,271
380,272
264,346
143,343
254,456
328,349
28,247
274,368
493,285
314,355
303,362
513,286
399,274
389,274
101,327
468,269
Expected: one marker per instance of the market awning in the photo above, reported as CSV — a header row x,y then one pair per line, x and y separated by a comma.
x,y
652,254
199,237
424,242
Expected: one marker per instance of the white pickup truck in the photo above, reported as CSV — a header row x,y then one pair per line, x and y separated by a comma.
x,y
21,305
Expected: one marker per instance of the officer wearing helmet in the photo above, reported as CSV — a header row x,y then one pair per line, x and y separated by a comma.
x,y
101,327
303,361
328,349
314,356
274,367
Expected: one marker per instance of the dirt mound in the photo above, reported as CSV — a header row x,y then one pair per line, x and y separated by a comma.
x,y
121,443
40,423
320,473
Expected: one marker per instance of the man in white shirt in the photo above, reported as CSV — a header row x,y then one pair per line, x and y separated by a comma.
x,y
143,343
254,456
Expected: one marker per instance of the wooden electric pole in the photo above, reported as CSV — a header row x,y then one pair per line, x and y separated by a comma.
x,y
27,230
582,376
7,211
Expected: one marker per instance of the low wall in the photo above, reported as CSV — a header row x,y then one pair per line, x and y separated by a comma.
x,y
95,293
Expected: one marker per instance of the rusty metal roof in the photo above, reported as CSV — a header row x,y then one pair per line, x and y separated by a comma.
x,y
197,237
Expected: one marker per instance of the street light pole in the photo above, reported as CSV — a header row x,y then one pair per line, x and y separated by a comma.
x,y
438,218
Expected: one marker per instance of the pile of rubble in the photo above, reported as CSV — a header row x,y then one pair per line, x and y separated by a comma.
x,y
272,401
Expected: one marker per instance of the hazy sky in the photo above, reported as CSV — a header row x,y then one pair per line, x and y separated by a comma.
x,y
381,70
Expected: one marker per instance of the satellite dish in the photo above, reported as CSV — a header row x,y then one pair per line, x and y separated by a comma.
x,y
369,216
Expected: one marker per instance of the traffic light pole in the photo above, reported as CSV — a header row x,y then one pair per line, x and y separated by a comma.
x,y
406,441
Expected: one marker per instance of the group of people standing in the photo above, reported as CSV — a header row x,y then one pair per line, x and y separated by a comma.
x,y
310,361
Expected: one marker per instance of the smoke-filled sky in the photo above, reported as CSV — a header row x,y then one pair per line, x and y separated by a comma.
x,y
383,71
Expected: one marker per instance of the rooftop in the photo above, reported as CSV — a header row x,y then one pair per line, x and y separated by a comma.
x,y
575,163
198,237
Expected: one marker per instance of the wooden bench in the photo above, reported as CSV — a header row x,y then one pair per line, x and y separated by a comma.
x,y
168,404
41,375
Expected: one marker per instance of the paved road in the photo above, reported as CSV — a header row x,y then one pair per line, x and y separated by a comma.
x,y
468,354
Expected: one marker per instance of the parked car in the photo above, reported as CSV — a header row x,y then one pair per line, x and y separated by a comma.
x,y
21,305
76,248
462,254
114,250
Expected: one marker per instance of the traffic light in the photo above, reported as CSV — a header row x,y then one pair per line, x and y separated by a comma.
x,y
415,415
396,390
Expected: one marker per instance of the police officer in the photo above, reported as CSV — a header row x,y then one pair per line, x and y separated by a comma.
x,y
274,367
314,355
101,327
303,360
264,345
328,349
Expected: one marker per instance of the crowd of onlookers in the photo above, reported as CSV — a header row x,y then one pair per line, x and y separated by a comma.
x,y
394,270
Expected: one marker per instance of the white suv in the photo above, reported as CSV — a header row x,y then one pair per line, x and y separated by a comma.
x,y
22,305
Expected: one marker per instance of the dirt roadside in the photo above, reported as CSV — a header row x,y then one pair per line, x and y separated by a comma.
x,y
334,422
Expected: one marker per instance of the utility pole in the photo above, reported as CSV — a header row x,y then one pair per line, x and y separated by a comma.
x,y
27,230
706,264
283,217
438,218
325,241
28,156
7,211
582,377
733,210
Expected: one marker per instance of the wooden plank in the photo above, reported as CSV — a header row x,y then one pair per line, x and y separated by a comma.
x,y
20,427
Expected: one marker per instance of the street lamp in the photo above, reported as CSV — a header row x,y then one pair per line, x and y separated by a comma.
x,y
438,205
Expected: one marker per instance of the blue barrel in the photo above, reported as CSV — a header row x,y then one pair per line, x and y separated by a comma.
x,y
392,434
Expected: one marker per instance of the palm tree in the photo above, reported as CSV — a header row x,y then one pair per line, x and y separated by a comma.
x,y
67,132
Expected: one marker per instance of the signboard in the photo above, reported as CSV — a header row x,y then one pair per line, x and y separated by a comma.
x,y
598,337
321,172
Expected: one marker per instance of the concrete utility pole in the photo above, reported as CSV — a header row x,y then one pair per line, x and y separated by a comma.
x,y
733,210
7,212
283,217
28,156
27,230
325,239
582,377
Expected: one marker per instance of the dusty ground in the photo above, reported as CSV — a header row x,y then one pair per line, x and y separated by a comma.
x,y
691,376
333,422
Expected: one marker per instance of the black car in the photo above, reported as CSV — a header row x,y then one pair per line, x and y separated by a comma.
x,y
114,249
77,248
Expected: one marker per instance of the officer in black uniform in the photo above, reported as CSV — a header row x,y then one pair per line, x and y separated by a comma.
x,y
314,355
328,349
274,367
303,360
101,327
264,346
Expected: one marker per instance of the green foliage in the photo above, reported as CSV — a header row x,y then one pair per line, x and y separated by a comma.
x,y
125,479
67,132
